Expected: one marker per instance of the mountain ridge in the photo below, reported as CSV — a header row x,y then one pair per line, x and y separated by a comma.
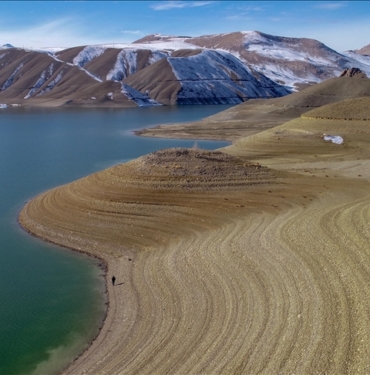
x,y
272,66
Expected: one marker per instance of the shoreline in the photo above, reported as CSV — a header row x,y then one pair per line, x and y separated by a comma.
x,y
103,265
233,270
108,261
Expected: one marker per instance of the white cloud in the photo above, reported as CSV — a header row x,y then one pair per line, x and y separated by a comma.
x,y
165,5
132,32
331,5
240,16
63,32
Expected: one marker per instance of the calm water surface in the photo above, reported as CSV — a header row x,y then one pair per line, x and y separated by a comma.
x,y
52,299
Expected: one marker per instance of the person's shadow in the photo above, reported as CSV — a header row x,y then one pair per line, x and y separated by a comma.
x,y
119,284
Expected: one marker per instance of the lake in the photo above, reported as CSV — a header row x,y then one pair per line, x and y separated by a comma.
x,y
52,299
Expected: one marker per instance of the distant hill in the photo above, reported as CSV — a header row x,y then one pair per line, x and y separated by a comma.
x,y
364,50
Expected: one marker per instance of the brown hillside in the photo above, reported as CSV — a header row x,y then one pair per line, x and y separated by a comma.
x,y
101,65
25,68
159,80
69,54
78,89
62,83
186,52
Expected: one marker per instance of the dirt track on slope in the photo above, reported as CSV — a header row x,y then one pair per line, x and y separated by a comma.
x,y
224,266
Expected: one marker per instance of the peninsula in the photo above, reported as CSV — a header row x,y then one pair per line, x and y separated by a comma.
x,y
250,259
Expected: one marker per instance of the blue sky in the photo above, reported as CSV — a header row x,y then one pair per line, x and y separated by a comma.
x,y
341,25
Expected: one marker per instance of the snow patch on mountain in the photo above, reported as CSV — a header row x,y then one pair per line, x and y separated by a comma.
x,y
281,50
131,59
45,75
219,77
174,44
364,59
156,56
275,52
140,99
280,74
56,59
51,85
10,80
126,64
88,54
52,50
208,64
90,74
358,61
170,45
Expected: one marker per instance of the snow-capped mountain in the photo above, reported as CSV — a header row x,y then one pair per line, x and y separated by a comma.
x,y
162,69
6,46
291,61
101,75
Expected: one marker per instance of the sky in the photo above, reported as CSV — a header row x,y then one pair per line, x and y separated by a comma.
x,y
341,25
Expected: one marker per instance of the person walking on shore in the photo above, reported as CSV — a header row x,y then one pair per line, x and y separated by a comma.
x,y
113,280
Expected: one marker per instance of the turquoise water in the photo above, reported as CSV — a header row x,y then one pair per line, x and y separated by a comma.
x,y
52,299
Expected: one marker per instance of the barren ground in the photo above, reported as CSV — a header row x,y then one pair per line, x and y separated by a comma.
x,y
256,263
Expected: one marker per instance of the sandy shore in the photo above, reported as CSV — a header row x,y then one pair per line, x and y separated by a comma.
x,y
224,266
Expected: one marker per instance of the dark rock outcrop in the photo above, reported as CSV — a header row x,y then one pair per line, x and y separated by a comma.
x,y
353,72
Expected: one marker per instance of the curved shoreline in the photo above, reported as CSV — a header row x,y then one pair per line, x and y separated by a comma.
x,y
102,265
276,265
227,277
110,261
